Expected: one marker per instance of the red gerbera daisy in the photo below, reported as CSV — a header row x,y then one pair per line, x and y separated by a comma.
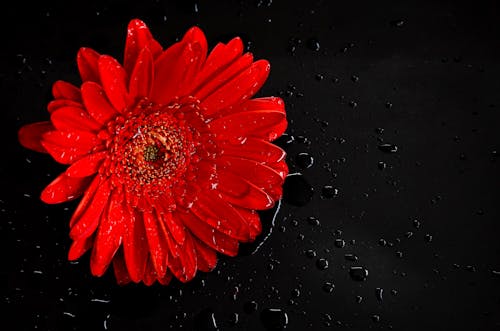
x,y
169,152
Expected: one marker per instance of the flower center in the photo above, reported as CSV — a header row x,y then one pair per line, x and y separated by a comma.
x,y
151,153
150,147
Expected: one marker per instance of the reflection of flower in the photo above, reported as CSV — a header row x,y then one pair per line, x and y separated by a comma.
x,y
171,155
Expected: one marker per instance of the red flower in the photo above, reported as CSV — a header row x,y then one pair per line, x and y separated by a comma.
x,y
169,152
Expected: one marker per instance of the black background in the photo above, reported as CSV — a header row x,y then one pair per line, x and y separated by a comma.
x,y
339,65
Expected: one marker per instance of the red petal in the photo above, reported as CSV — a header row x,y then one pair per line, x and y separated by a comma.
x,y
254,149
208,235
68,146
258,174
121,274
65,90
174,226
79,247
113,78
166,279
109,235
157,244
86,166
96,103
220,78
87,60
73,118
85,225
238,191
141,79
263,124
174,70
30,135
86,200
138,38
135,246
150,273
184,267
238,89
64,188
219,59
253,220
207,258
60,103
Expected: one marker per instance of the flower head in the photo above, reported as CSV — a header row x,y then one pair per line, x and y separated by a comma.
x,y
169,153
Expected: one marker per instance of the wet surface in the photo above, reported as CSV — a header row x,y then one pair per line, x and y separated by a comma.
x,y
390,218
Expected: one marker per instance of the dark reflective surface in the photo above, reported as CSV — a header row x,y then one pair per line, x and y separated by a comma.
x,y
359,79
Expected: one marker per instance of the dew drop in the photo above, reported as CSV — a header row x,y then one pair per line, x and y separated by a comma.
x,y
304,160
388,148
340,243
313,44
274,319
250,307
328,287
379,292
322,264
297,191
358,274
351,257
329,192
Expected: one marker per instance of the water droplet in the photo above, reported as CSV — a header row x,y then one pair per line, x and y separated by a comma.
x,y
319,77
388,105
304,160
379,294
379,130
322,264
353,104
381,165
416,224
250,307
313,220
205,320
376,318
310,253
329,192
295,293
397,23
274,318
428,237
351,257
382,242
399,254
388,148
234,319
354,78
359,298
328,287
358,273
340,243
313,44
296,190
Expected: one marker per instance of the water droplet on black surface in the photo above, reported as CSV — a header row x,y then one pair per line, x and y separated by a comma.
x,y
354,78
250,307
313,44
388,105
358,273
376,318
428,237
381,165
328,287
353,104
274,319
205,320
340,243
310,253
322,264
313,220
397,23
304,160
351,257
329,192
297,191
359,298
379,294
382,242
388,148
416,224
